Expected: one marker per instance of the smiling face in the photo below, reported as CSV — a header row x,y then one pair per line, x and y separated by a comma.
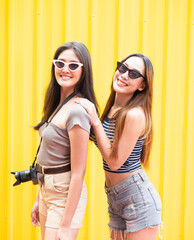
x,y
123,84
66,78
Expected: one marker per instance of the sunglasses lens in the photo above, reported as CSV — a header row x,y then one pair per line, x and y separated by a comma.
x,y
121,67
133,74
73,66
59,64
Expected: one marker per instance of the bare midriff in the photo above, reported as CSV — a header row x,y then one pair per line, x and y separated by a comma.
x,y
113,179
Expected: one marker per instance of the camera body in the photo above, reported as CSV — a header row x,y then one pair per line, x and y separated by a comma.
x,y
26,175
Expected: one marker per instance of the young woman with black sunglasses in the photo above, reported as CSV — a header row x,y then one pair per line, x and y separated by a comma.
x,y
124,138
64,130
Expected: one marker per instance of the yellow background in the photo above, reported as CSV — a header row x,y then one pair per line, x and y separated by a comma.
x,y
30,33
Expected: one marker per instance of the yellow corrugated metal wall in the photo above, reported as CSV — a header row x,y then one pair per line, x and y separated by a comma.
x,y
31,30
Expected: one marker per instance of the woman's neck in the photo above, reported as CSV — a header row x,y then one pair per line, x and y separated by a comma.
x,y
64,95
121,100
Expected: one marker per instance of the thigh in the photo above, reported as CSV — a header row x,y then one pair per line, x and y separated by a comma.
x,y
42,224
51,234
117,235
144,234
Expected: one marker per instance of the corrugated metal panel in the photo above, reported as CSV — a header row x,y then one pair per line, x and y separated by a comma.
x,y
30,33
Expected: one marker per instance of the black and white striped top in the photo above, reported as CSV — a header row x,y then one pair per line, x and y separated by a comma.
x,y
133,161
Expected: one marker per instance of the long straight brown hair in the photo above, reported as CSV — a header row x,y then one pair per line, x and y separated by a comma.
x,y
84,85
141,99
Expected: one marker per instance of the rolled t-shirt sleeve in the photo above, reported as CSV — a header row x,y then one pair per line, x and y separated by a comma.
x,y
78,116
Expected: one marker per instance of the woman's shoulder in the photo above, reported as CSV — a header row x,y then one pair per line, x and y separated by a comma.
x,y
77,109
135,114
78,116
135,121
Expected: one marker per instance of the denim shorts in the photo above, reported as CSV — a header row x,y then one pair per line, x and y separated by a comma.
x,y
134,204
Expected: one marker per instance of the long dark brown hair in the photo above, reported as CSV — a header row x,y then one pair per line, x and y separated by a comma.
x,y
84,85
141,99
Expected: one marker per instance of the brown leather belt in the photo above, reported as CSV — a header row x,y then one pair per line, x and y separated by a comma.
x,y
54,170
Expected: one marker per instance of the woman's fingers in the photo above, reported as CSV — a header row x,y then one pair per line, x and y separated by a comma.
x,y
85,103
35,218
90,109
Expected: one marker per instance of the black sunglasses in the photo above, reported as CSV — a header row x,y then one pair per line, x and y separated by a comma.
x,y
133,74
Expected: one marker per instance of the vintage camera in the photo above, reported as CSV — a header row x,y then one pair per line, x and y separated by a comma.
x,y
26,175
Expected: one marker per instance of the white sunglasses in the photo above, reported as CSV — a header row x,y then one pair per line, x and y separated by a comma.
x,y
72,66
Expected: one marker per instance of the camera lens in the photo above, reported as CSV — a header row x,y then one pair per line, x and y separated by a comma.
x,y
25,176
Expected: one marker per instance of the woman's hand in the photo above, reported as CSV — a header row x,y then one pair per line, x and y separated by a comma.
x,y
35,214
90,108
64,234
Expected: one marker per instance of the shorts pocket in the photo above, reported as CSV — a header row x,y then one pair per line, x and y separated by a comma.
x,y
129,212
61,182
156,198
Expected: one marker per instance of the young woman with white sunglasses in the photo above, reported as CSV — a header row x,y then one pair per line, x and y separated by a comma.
x,y
64,130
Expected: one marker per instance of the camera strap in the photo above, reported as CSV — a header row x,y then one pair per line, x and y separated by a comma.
x,y
64,102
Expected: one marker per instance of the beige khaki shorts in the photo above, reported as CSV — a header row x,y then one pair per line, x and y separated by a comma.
x,y
53,197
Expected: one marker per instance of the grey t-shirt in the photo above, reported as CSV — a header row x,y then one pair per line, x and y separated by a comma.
x,y
55,146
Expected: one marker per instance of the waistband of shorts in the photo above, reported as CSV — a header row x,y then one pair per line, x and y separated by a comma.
x,y
139,175
53,169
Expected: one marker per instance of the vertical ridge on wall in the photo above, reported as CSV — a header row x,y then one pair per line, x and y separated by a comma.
x,y
163,97
189,193
142,22
185,124
3,118
89,7
116,31
35,84
10,133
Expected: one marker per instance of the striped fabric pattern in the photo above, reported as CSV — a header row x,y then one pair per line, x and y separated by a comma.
x,y
133,161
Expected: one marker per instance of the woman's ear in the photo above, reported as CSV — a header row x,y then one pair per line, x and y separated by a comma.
x,y
142,86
